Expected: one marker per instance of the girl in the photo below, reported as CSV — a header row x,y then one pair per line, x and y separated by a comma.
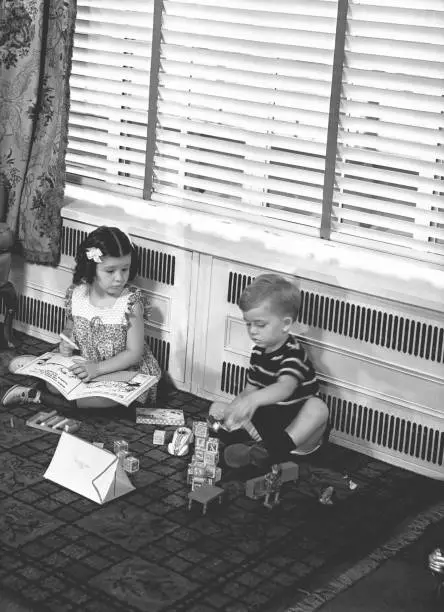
x,y
104,318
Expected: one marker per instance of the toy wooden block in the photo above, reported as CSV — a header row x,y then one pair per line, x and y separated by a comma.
x,y
290,471
200,443
212,445
120,445
204,495
200,429
131,464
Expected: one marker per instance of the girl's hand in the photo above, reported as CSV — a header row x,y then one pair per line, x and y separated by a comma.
x,y
85,370
65,349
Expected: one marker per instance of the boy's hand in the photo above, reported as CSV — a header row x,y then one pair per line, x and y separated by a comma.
x,y
85,370
65,349
241,409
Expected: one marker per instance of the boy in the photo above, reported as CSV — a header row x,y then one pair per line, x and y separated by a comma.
x,y
280,398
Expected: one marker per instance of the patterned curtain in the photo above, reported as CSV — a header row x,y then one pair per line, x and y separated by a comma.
x,y
36,38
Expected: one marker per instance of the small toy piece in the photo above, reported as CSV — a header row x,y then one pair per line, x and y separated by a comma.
x,y
205,494
326,497
213,423
53,423
273,483
435,563
180,444
159,436
131,464
121,456
349,482
120,445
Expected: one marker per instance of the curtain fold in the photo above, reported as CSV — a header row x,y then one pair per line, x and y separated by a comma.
x,y
36,38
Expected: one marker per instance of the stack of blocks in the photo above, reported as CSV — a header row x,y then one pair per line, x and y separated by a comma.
x,y
203,470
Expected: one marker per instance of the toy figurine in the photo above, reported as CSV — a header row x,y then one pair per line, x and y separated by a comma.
x,y
435,563
213,423
273,483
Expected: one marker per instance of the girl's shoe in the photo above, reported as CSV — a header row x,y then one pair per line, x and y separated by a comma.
x,y
180,444
21,395
19,362
242,455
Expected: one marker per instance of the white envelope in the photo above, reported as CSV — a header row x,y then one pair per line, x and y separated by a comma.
x,y
88,470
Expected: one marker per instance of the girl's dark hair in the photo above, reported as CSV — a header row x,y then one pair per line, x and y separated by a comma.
x,y
112,242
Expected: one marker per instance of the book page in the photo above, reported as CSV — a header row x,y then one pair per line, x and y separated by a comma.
x,y
121,391
54,369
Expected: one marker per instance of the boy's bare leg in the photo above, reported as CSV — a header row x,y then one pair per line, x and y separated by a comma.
x,y
307,429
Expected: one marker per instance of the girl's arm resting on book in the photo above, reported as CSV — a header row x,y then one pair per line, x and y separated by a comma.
x,y
131,356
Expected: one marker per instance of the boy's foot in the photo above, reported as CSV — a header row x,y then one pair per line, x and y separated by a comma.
x,y
18,362
21,395
242,455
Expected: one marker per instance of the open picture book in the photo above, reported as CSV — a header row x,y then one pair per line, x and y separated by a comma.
x,y
121,387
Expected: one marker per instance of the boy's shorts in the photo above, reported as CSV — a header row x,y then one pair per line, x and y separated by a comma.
x,y
282,415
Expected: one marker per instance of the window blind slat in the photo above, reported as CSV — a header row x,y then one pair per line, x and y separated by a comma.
x,y
383,175
127,50
256,49
171,195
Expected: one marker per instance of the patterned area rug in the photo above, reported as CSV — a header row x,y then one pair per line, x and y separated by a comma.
x,y
147,552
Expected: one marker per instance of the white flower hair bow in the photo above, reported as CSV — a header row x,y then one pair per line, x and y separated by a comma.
x,y
95,254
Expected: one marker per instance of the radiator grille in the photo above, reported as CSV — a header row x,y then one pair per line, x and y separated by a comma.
x,y
153,264
156,265
161,351
390,331
236,284
40,314
386,430
233,379
71,238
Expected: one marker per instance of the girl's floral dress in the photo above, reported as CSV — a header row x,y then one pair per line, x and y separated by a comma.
x,y
100,333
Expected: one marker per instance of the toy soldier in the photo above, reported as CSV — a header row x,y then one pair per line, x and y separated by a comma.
x,y
273,483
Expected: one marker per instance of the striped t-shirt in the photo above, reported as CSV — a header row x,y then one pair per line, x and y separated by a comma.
x,y
290,359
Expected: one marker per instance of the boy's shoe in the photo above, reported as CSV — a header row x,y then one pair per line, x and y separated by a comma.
x,y
21,395
18,362
242,455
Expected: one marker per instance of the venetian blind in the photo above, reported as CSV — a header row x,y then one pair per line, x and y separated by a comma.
x,y
109,92
389,170
244,92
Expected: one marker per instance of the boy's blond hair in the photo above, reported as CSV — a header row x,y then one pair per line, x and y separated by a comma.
x,y
283,295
